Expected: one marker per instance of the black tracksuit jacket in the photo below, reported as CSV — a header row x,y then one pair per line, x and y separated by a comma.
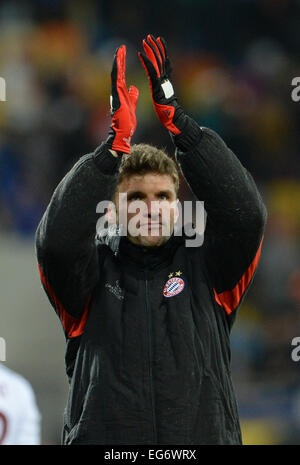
x,y
144,367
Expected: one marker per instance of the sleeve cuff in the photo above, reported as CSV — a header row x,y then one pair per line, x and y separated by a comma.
x,y
189,137
105,161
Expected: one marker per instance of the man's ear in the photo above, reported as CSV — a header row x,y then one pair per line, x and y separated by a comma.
x,y
111,213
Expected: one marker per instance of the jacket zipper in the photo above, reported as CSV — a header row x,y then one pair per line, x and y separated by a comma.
x,y
149,328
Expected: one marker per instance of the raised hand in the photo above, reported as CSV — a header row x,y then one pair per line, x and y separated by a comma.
x,y
123,105
157,65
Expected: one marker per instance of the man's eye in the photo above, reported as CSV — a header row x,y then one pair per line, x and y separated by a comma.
x,y
134,197
163,197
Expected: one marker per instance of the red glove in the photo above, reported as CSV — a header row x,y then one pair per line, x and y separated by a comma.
x,y
123,105
158,67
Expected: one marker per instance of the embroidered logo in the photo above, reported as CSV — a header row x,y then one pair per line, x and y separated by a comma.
x,y
116,290
173,287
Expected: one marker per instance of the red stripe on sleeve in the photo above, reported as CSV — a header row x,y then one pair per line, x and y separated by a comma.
x,y
73,326
230,300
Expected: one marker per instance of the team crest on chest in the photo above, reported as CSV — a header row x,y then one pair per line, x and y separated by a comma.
x,y
174,285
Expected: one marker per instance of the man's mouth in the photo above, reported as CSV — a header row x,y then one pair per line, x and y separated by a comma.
x,y
143,225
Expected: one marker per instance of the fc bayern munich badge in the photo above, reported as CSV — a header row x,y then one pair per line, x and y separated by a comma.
x,y
173,287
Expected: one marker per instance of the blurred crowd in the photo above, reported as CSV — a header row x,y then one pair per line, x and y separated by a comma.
x,y
232,70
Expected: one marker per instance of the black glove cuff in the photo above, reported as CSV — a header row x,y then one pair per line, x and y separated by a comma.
x,y
111,137
190,135
105,161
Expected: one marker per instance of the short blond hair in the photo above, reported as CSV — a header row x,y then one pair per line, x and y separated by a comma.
x,y
145,158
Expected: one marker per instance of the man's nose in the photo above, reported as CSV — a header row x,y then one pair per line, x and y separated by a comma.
x,y
152,207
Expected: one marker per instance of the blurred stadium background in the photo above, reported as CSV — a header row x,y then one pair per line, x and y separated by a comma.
x,y
233,66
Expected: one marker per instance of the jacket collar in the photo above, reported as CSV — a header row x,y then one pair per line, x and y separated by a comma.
x,y
137,255
149,258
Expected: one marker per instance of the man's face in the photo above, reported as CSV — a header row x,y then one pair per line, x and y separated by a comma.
x,y
150,207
